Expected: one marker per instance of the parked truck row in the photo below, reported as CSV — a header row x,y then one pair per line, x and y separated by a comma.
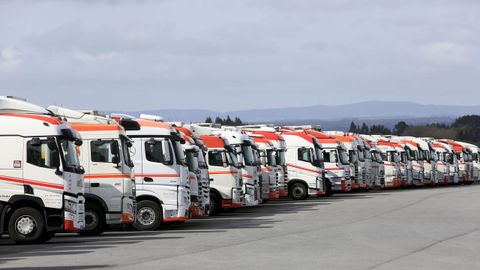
x,y
65,170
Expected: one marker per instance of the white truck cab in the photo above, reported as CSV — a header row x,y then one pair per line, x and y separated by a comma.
x,y
356,156
304,158
269,181
391,161
109,182
161,172
442,164
278,142
41,180
195,152
425,157
474,152
226,182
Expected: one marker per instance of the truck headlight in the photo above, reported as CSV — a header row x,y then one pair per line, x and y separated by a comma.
x,y
70,206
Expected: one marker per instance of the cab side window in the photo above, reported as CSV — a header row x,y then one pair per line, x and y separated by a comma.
x,y
104,151
41,154
215,159
304,154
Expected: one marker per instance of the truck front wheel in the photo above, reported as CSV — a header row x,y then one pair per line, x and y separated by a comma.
x,y
149,216
328,188
215,205
95,223
298,191
26,225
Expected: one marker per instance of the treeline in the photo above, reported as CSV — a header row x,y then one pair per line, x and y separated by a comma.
x,y
225,121
465,128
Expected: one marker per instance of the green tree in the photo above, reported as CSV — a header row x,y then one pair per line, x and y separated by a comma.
x,y
400,127
353,128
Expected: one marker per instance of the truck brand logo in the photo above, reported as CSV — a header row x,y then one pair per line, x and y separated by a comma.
x,y
17,164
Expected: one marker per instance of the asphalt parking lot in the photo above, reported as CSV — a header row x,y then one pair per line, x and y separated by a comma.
x,y
428,228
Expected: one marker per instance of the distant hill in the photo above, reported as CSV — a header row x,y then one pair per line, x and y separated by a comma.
x,y
379,111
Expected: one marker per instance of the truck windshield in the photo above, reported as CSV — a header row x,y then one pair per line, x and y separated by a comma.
x,y
410,154
330,155
179,154
403,157
281,158
342,153
390,157
271,158
248,157
450,158
69,154
378,157
233,161
367,154
396,157
352,156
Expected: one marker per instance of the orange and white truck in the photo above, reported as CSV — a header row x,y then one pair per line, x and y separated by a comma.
x,y
269,169
473,150
195,152
226,181
415,164
442,164
109,179
391,162
425,156
355,147
278,142
462,157
304,158
336,162
41,180
161,172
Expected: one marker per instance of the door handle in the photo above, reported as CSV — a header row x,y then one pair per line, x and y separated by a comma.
x,y
148,179
210,179
94,184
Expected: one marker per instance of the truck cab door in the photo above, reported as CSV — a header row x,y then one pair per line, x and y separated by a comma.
x,y
106,176
42,172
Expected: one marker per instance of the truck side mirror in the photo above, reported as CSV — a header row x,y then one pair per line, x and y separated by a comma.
x,y
55,161
114,149
166,151
115,159
224,160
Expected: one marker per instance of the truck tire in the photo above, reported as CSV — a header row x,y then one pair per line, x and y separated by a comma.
x,y
149,216
215,205
328,188
47,236
298,191
26,226
95,223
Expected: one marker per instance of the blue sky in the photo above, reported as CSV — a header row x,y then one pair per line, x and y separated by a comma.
x,y
232,55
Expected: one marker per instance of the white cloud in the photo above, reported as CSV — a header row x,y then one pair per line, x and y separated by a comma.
x,y
96,57
445,53
10,59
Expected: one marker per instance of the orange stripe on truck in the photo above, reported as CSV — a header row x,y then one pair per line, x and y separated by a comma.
x,y
302,168
102,176
80,127
31,182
